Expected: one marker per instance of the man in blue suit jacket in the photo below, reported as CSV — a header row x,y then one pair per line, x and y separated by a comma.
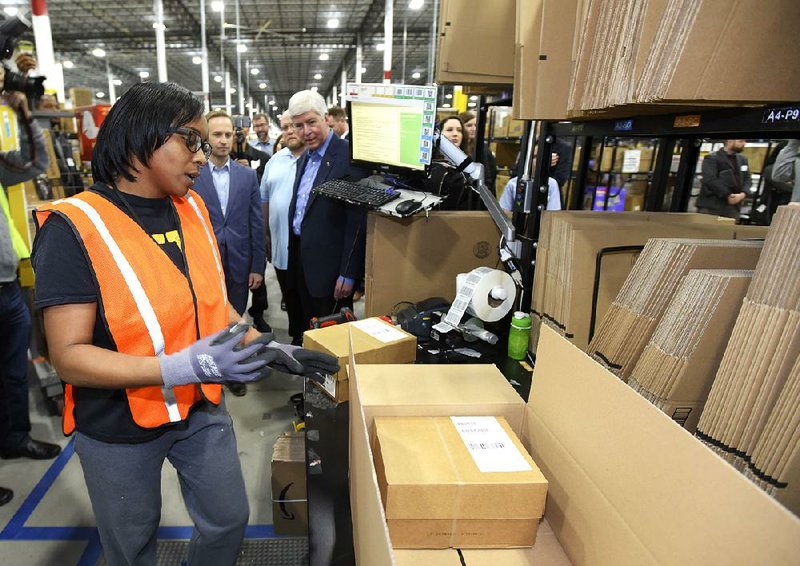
x,y
230,192
327,237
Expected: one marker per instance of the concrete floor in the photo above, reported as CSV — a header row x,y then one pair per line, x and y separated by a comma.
x,y
50,520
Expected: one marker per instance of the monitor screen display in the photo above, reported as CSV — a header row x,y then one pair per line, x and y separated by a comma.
x,y
391,125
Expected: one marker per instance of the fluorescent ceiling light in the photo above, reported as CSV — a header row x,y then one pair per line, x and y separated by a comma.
x,y
318,76
255,71
100,94
363,69
333,23
241,48
380,46
144,74
415,75
116,82
217,6
416,4
262,86
97,52
445,106
272,103
217,78
197,59
324,56
67,64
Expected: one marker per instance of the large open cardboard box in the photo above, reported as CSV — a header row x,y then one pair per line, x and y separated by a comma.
x,y
627,484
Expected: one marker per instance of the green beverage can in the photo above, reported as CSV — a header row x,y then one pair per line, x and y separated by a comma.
x,y
519,335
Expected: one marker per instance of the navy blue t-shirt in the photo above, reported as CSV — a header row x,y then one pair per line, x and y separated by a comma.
x,y
64,276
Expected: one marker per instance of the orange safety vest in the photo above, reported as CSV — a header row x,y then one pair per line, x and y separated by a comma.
x,y
145,299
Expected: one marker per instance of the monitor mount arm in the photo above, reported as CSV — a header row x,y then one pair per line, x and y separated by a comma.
x,y
474,172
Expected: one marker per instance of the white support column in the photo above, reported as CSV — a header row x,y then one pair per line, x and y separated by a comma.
x,y
43,36
228,105
112,90
204,55
343,88
359,59
335,96
161,47
239,87
388,31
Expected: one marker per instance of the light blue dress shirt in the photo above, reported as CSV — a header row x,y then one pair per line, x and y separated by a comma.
x,y
276,189
307,182
222,183
265,147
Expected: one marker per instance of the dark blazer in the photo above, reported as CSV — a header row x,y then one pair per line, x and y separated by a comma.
x,y
719,181
333,233
240,232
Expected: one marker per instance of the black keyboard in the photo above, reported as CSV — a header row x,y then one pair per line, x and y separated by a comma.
x,y
356,193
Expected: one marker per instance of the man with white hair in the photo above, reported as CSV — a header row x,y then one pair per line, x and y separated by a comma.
x,y
327,237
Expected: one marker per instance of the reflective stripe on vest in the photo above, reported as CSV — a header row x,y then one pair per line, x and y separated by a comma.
x,y
156,315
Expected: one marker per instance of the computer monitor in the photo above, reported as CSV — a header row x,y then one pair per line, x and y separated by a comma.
x,y
391,125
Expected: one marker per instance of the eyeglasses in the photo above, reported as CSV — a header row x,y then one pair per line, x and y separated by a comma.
x,y
194,142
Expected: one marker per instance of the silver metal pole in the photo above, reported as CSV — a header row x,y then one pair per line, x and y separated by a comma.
x,y
432,46
161,47
239,89
204,55
359,59
112,90
388,31
405,40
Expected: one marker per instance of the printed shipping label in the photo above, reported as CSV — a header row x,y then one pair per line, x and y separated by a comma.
x,y
489,445
379,330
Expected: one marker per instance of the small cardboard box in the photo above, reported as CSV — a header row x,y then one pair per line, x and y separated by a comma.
x,y
627,485
461,482
289,493
374,342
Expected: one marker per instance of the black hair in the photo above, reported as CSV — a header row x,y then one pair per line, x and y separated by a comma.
x,y
138,124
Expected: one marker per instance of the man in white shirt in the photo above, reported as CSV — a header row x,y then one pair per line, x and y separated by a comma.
x,y
276,196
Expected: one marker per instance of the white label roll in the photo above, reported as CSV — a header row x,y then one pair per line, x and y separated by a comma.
x,y
483,292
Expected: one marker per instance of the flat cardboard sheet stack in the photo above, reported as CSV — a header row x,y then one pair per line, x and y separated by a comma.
x,y
677,367
577,247
582,57
752,417
633,316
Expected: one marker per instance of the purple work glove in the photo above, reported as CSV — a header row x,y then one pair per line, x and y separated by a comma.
x,y
221,357
314,365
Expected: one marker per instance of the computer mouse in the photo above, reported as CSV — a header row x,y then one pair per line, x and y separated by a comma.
x,y
407,206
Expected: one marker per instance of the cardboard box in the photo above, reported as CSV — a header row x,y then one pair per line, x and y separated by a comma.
x,y
374,342
289,492
413,259
516,128
627,486
81,96
475,46
461,482
501,117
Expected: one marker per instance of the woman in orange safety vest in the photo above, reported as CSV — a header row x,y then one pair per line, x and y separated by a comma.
x,y
139,328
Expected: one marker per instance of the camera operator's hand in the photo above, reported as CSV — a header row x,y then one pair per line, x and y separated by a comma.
x,y
25,62
19,103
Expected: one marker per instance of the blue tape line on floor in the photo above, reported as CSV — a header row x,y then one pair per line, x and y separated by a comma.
x,y
91,554
29,505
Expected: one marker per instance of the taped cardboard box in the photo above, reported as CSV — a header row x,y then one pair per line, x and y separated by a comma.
x,y
461,482
289,493
627,486
417,258
374,341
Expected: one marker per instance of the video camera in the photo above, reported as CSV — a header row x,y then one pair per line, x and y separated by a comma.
x,y
10,30
239,124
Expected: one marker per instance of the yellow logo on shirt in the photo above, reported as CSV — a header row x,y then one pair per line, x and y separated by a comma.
x,y
172,237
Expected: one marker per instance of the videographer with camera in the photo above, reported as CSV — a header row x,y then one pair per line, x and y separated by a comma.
x,y
242,151
15,318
